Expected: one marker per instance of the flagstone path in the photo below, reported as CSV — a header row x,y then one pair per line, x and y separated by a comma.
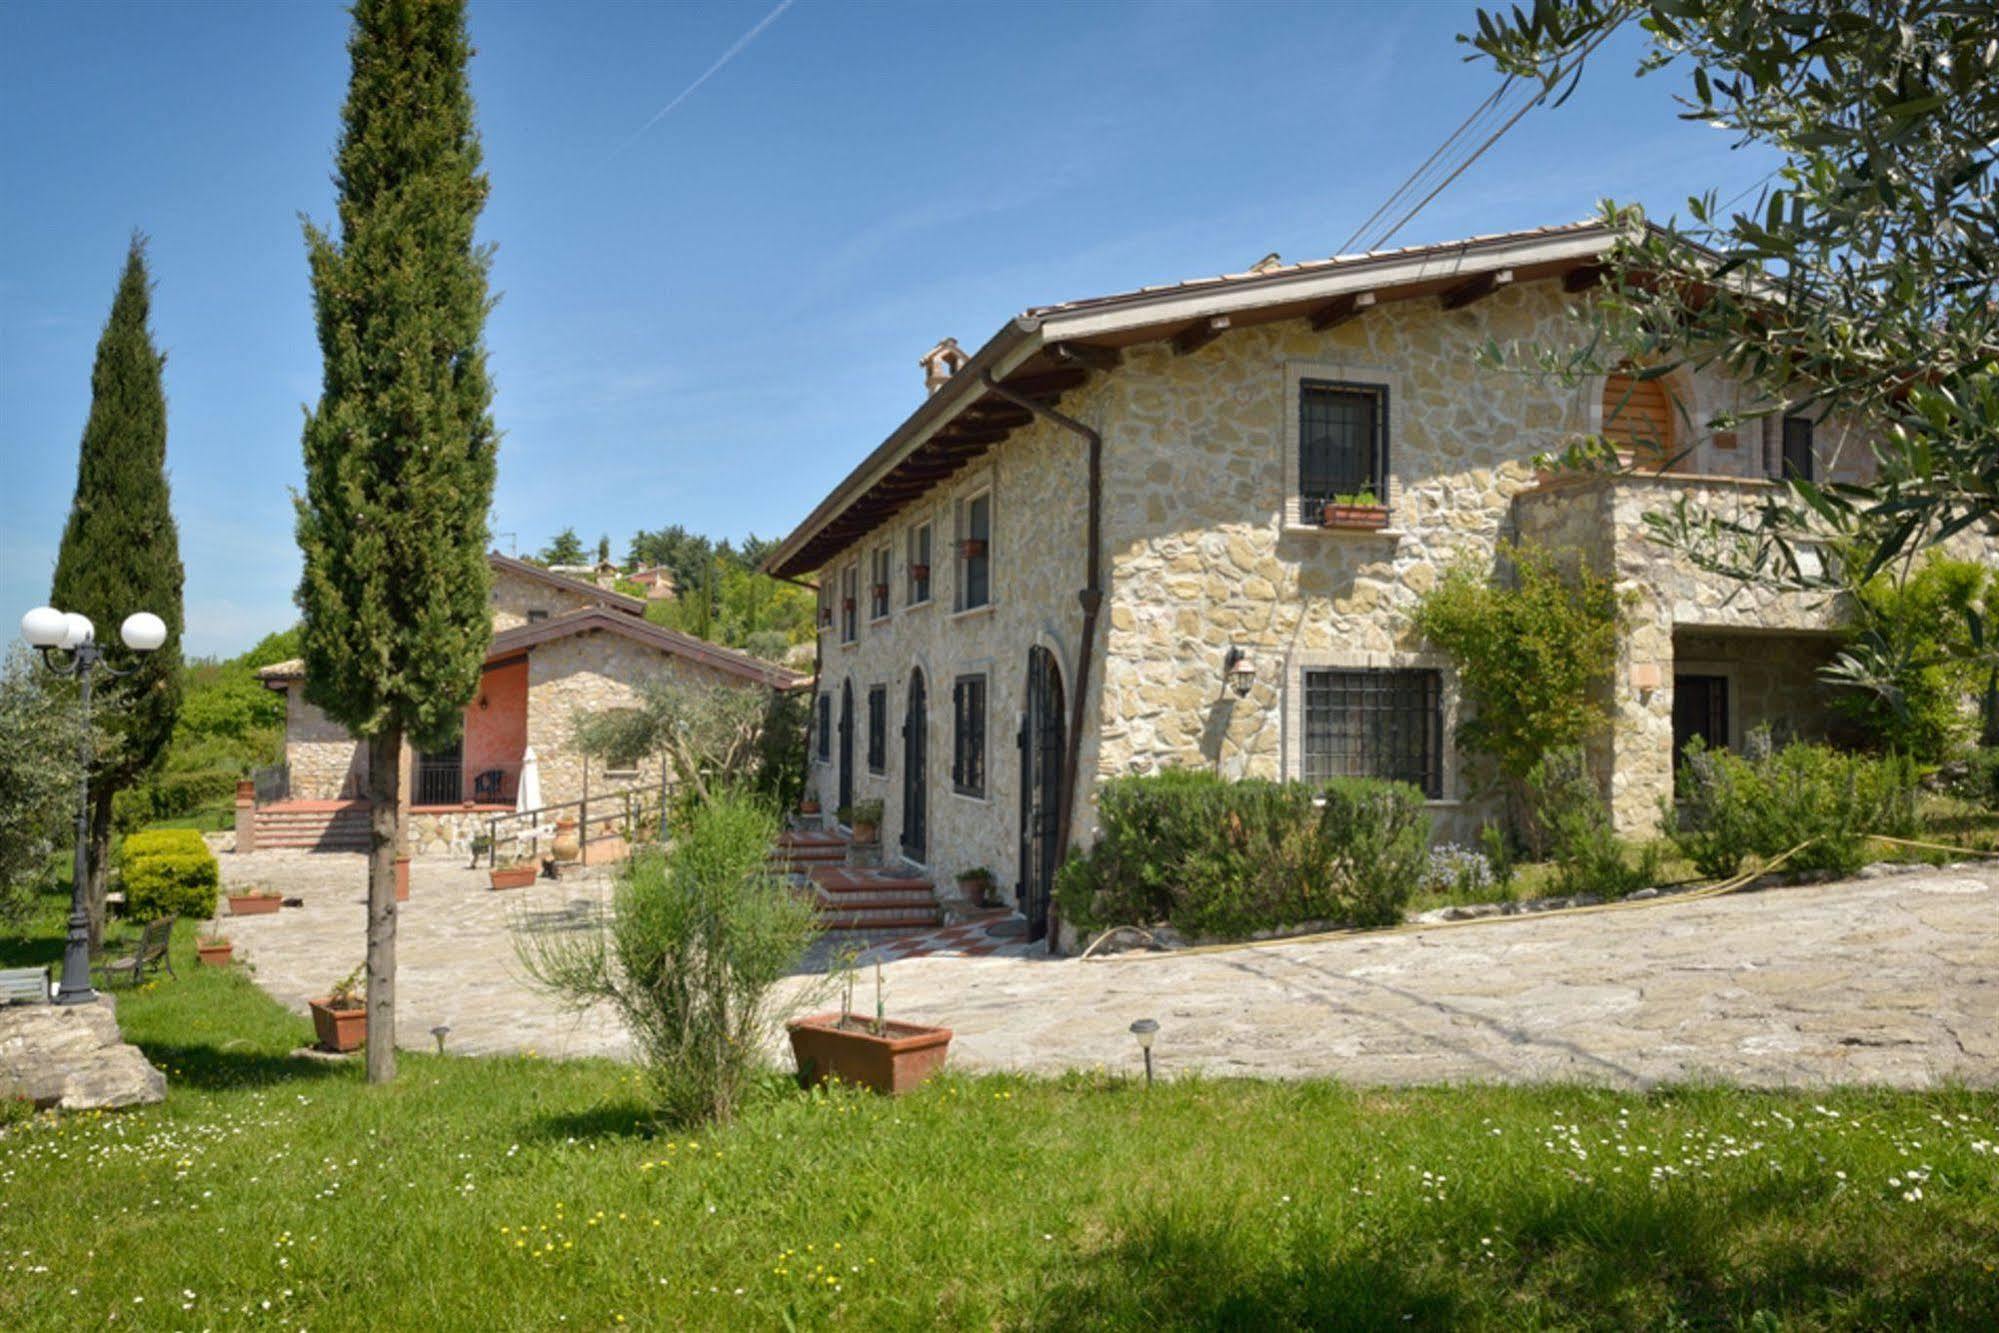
x,y
1891,980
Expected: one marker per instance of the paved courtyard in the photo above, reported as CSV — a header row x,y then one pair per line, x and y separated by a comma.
x,y
1891,980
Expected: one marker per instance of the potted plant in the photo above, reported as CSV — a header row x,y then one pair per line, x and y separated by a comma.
x,y
972,547
919,571
881,594
255,902
865,819
976,886
846,603
1358,509
213,950
809,803
516,872
481,844
402,879
878,1053
341,1019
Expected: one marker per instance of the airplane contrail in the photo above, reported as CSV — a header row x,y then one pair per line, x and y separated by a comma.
x,y
735,50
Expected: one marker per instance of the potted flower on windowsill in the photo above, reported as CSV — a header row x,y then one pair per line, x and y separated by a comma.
x,y
879,1053
972,547
1359,509
975,886
919,572
341,1018
255,902
865,819
214,951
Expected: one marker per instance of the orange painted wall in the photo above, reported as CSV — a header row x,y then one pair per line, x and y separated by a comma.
x,y
496,735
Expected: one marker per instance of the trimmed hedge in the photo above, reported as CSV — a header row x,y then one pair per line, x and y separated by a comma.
x,y
1230,859
170,872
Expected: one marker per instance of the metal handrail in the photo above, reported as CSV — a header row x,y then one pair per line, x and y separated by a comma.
x,y
628,806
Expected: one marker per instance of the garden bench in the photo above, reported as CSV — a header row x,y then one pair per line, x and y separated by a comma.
x,y
150,954
24,985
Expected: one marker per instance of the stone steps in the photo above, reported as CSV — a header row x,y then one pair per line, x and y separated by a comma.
x,y
320,826
855,897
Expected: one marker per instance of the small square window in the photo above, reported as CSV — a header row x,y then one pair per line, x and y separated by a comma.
x,y
1342,446
1375,724
536,615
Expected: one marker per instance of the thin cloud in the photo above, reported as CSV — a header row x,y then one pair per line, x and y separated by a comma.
x,y
709,73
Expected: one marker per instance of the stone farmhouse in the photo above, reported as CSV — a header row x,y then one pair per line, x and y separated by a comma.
x,y
560,646
1188,526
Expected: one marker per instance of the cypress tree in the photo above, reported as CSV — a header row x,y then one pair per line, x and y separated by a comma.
x,y
400,452
121,553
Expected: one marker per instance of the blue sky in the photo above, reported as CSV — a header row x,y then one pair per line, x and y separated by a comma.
x,y
709,320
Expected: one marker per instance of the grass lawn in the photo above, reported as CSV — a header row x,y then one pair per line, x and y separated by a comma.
x,y
522,1193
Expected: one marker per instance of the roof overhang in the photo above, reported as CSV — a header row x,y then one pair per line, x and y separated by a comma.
x,y
1050,350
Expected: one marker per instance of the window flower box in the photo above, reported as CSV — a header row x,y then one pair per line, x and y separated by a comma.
x,y
972,547
921,573
846,603
1365,517
254,904
341,1024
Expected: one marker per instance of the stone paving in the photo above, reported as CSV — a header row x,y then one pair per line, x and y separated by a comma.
x,y
1891,980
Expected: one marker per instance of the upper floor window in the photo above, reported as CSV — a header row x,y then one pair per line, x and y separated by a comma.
x,y
878,729
850,612
878,583
825,604
918,565
1796,462
1375,724
975,550
968,736
536,615
1342,446
825,728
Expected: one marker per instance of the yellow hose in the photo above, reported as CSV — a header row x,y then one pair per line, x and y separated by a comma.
x,y
1730,885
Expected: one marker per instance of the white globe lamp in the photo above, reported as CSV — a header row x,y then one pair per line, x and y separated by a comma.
x,y
44,627
143,632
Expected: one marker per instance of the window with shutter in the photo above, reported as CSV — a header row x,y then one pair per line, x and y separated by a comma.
x,y
968,736
1638,419
878,729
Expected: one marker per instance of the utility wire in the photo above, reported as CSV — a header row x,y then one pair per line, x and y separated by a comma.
x,y
1409,181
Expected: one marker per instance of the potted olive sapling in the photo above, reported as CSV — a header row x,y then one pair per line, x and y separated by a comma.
x,y
878,1052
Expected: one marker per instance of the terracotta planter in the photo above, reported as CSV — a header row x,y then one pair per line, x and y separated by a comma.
x,y
919,572
402,879
339,1030
846,604
1354,516
905,1055
567,846
216,954
972,547
974,891
866,832
512,877
808,807
254,904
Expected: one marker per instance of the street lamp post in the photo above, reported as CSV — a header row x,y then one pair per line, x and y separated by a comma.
x,y
50,632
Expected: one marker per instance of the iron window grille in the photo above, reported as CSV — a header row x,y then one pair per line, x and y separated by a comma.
x,y
850,616
878,729
1797,460
919,565
1376,724
1342,444
975,552
968,736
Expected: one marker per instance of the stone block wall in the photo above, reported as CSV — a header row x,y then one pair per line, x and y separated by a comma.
x,y
513,596
326,763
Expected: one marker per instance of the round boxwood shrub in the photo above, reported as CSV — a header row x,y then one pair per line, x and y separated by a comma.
x,y
170,872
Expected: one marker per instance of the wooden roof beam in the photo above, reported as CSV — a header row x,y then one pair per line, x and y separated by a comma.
x,y
1339,310
1086,355
1475,288
1199,334
1583,277
1056,381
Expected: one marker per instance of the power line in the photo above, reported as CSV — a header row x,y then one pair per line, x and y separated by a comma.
x,y
1409,181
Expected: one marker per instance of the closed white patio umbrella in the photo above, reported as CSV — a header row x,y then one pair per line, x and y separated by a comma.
x,y
527,794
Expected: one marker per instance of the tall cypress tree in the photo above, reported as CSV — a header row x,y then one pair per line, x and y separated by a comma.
x,y
121,553
400,452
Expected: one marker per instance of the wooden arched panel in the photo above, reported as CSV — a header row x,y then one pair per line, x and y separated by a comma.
x,y
1638,419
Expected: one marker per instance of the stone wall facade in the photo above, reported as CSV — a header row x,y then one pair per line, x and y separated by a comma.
x,y
1037,484
593,673
326,763
514,596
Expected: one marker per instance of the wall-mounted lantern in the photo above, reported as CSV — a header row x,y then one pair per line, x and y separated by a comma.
x,y
1239,671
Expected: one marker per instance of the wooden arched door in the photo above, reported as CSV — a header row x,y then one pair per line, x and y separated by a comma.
x,y
1041,735
915,771
846,747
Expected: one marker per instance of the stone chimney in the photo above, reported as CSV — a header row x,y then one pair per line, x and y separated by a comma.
x,y
940,363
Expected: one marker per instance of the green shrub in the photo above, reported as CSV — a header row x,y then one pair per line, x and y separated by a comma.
x,y
167,875
1589,857
1818,803
1228,859
1979,780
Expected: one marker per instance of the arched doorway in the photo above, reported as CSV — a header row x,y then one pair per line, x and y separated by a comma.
x,y
1041,735
915,771
846,747
1638,419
